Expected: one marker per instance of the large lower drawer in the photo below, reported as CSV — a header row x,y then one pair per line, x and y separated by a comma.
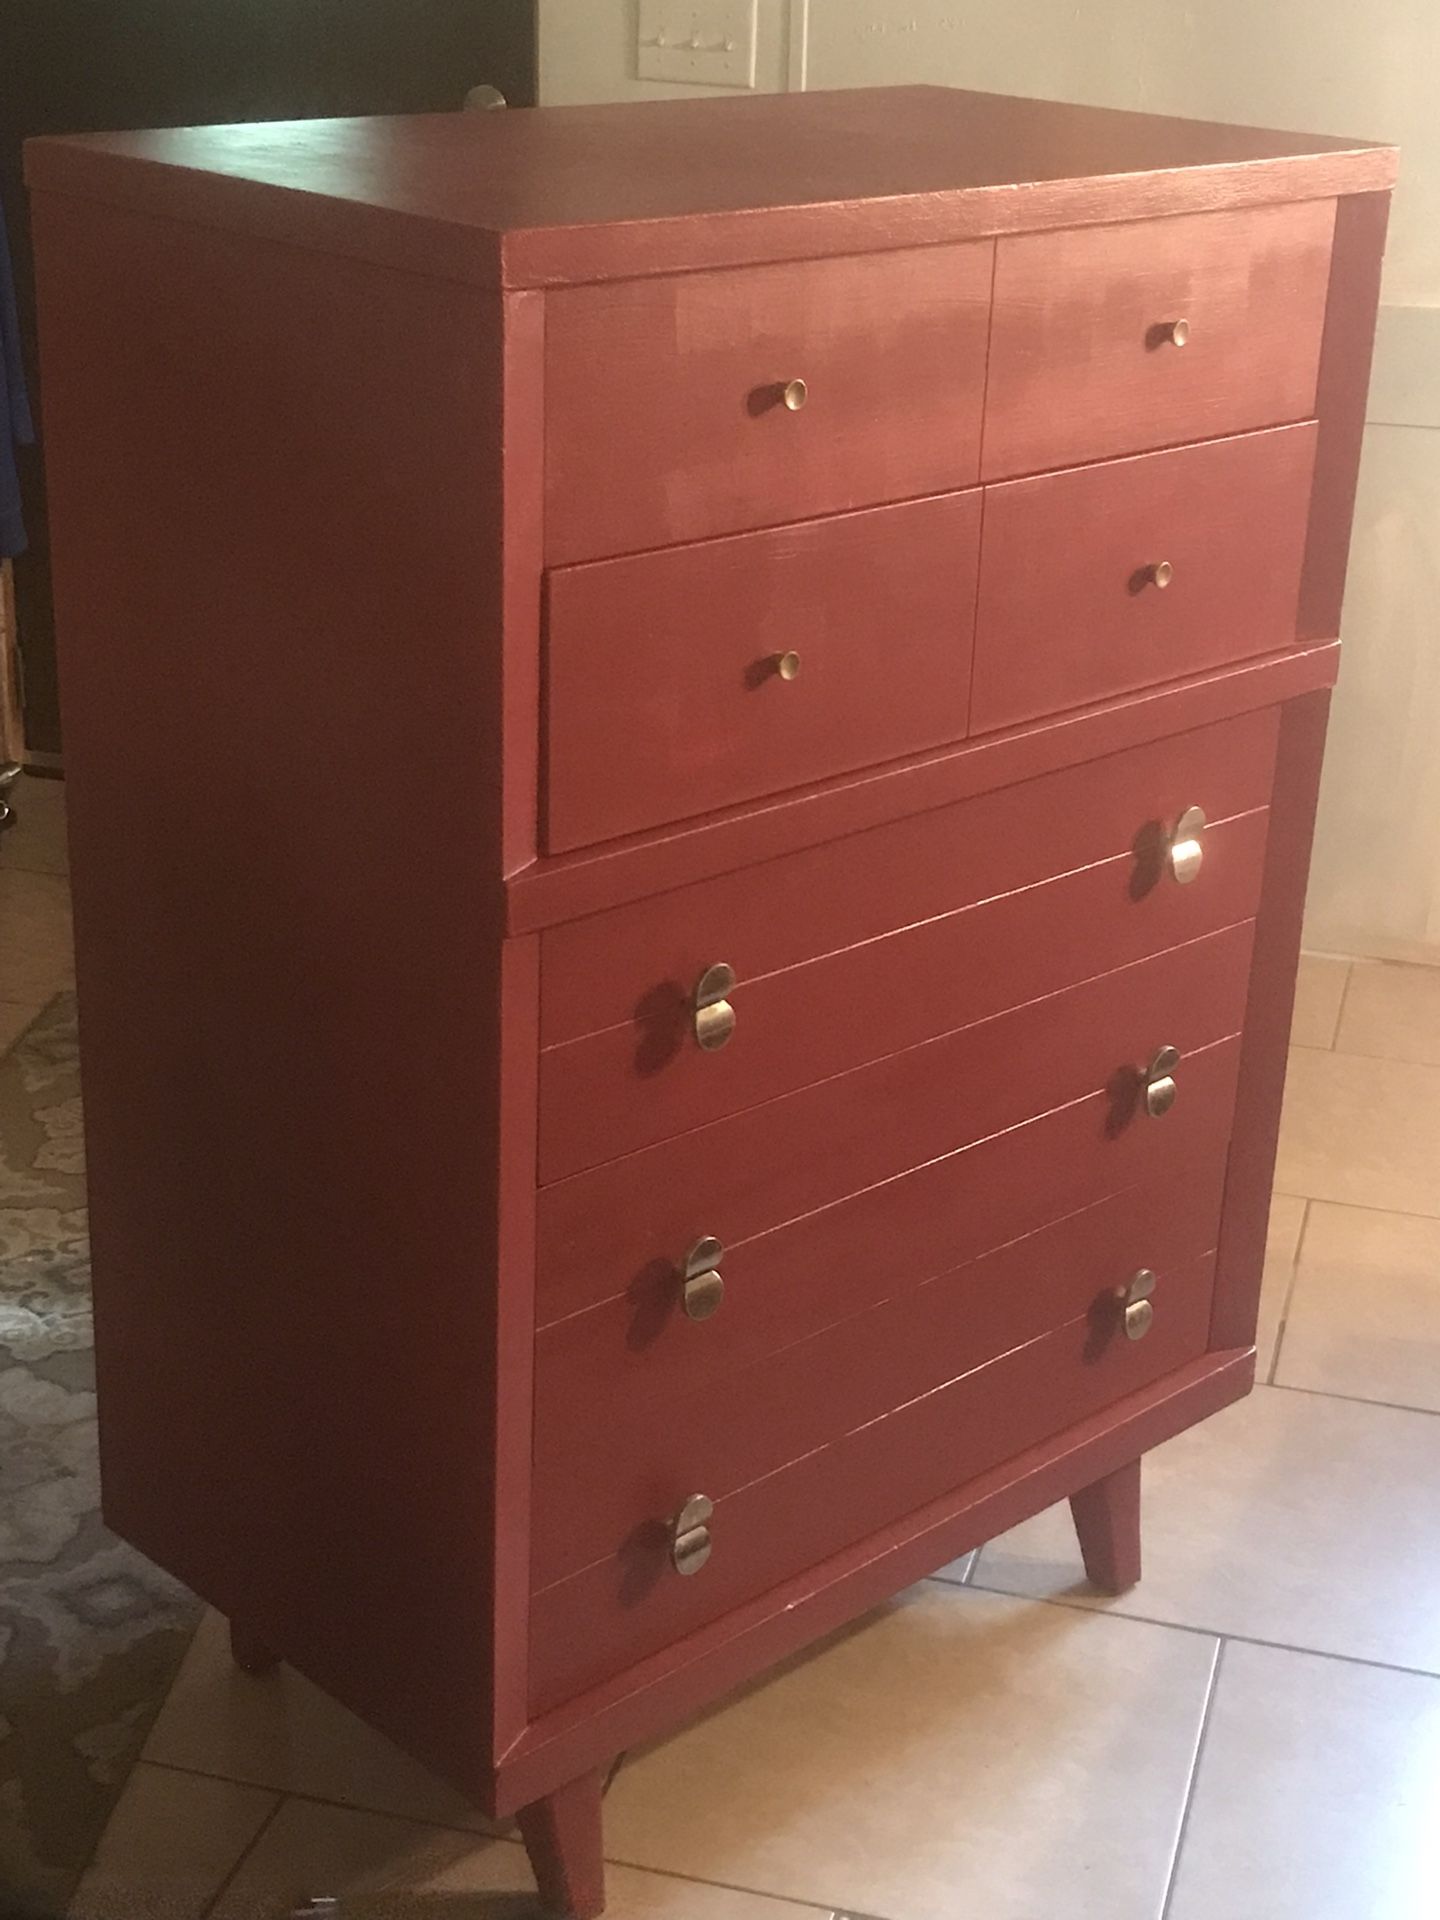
x,y
634,964
598,1484
626,1088
620,1226
610,1615
1106,578
641,1349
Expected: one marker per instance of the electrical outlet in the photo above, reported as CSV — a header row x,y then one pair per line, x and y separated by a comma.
x,y
709,43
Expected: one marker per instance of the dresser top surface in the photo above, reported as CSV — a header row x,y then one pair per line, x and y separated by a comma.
x,y
556,195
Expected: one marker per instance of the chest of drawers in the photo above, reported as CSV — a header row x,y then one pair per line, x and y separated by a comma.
x,y
693,736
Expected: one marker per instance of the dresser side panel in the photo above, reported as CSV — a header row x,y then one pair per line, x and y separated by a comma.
x,y
1346,350
276,495
1266,1038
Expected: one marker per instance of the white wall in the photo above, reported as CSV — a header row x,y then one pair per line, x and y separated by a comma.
x,y
1320,65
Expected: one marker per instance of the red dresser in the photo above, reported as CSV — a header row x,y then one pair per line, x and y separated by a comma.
x,y
692,736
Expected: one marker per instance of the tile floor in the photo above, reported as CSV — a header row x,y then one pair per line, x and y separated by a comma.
x,y
1252,1734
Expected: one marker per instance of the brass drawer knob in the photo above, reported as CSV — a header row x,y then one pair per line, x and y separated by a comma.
x,y
714,1015
1136,1309
1175,332
787,665
1160,574
704,1285
794,394
1186,851
1159,1078
690,1534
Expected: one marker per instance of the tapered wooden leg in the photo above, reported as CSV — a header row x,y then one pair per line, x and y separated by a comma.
x,y
562,1835
249,1651
1107,1519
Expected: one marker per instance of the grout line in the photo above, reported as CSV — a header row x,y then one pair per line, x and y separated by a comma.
x,y
1357,1206
1340,1009
245,1852
1284,1319
1172,1879
826,1907
1213,1633
507,1839
498,1830
1393,1059
1352,1399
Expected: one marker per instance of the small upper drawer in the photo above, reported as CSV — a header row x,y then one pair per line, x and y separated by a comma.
x,y
1089,356
667,416
1072,606
710,674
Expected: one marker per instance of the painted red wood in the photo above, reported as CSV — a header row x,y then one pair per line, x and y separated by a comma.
x,y
562,1835
1107,1522
648,1080
597,971
663,697
603,192
600,1481
1267,1023
592,881
598,1232
313,1056
515,1202
631,1086
664,420
1068,611
1345,353
614,1613
873,1245
665,1688
291,1022
1080,363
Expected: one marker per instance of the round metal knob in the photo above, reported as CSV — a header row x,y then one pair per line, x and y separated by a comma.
x,y
794,394
1159,1081
787,665
1161,574
1176,332
690,1541
1186,848
713,1015
704,1286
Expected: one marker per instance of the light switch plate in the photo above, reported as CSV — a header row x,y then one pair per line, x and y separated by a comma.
x,y
708,43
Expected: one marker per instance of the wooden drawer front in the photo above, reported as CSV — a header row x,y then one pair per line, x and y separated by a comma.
x,y
597,1483
596,972
664,419
874,1245
1081,363
603,1232
607,1617
631,1086
1068,611
663,694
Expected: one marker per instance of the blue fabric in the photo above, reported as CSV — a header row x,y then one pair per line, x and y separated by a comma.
x,y
16,426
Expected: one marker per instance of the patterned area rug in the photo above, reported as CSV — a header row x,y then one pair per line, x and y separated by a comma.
x,y
90,1633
